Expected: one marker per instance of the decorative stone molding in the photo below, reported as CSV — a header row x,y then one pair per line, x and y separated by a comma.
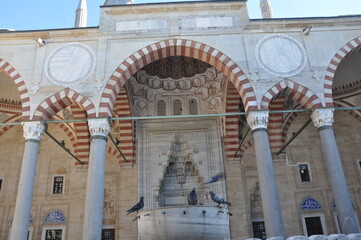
x,y
322,117
281,55
33,130
99,127
257,119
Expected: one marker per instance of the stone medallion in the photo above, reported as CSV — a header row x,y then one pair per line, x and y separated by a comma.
x,y
69,64
281,55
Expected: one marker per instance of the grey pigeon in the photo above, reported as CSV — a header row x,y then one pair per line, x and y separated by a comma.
x,y
137,206
192,197
214,178
218,199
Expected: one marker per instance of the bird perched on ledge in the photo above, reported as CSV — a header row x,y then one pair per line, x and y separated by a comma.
x,y
137,206
218,199
214,178
192,197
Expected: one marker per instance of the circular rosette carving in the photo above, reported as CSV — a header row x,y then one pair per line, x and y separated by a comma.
x,y
281,55
69,64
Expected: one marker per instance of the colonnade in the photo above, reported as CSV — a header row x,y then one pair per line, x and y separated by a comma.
x,y
257,120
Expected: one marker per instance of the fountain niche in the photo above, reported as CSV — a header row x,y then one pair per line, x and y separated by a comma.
x,y
175,219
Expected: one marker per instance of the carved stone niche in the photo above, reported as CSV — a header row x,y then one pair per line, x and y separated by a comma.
x,y
180,176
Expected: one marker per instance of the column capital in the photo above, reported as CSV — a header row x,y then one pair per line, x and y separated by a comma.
x,y
257,119
33,130
99,127
322,117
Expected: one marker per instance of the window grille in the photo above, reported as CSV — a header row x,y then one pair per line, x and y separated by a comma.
x,y
193,107
58,185
161,108
177,107
108,234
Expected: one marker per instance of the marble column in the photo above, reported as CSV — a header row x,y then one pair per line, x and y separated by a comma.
x,y
33,132
93,211
323,119
257,121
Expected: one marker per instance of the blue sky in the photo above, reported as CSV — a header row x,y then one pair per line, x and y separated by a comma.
x,y
49,14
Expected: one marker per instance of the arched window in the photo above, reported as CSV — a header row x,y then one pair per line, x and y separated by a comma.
x,y
161,108
177,107
193,107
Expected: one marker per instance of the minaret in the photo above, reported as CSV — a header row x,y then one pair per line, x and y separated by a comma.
x,y
81,15
266,9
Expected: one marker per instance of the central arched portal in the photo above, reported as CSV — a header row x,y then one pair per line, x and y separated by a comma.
x,y
167,80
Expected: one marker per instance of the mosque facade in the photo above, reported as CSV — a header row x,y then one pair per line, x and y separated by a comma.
x,y
159,98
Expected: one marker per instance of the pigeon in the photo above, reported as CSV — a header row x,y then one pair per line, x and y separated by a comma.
x,y
137,206
218,199
214,178
192,197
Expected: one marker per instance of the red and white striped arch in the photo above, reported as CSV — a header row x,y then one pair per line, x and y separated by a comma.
x,y
331,69
82,146
9,70
68,130
287,122
248,144
275,124
11,119
176,47
231,140
299,93
122,109
60,100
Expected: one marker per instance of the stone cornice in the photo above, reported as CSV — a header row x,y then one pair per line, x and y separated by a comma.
x,y
99,127
33,130
322,117
257,119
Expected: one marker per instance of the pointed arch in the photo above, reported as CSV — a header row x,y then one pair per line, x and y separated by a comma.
x,y
332,66
15,118
287,122
68,130
354,113
176,47
299,93
61,100
9,70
